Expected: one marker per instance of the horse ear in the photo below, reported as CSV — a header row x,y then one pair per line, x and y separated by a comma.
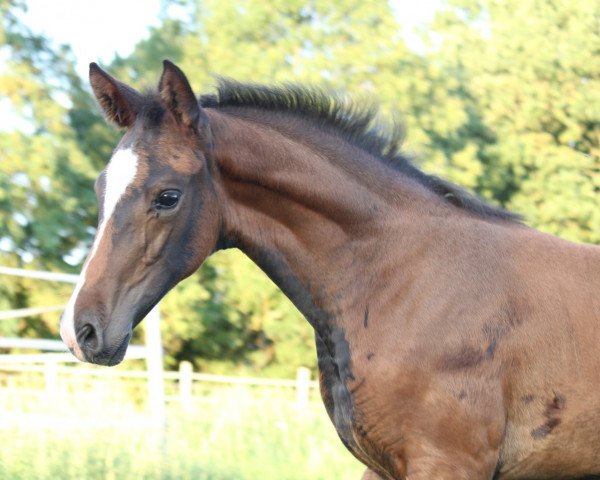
x,y
119,102
178,96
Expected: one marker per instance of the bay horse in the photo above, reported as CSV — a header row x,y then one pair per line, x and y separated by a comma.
x,y
453,341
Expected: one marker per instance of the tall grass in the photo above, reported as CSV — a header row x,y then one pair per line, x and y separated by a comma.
x,y
228,433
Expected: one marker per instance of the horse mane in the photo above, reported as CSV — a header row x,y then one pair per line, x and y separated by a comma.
x,y
357,123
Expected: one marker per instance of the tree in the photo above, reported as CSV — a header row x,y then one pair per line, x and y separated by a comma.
x,y
531,69
46,200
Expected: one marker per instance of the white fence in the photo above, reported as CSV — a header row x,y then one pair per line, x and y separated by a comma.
x,y
184,379
58,397
51,365
151,352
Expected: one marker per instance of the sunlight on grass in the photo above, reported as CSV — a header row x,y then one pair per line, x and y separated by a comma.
x,y
231,433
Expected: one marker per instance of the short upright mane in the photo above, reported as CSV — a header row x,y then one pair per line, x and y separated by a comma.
x,y
357,123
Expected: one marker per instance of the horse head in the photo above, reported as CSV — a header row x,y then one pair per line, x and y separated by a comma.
x,y
158,213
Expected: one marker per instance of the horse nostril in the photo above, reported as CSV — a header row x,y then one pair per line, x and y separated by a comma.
x,y
88,337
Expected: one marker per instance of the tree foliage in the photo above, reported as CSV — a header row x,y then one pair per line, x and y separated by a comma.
x,y
532,69
504,98
46,203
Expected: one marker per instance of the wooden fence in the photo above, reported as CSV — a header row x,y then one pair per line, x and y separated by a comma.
x,y
151,351
49,366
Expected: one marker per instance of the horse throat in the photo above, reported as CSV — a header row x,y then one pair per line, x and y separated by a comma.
x,y
333,349
298,216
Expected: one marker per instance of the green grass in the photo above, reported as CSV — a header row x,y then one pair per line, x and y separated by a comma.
x,y
232,433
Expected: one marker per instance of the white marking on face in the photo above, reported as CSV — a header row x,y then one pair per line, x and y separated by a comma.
x,y
120,173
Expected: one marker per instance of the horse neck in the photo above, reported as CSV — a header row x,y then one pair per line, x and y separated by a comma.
x,y
312,214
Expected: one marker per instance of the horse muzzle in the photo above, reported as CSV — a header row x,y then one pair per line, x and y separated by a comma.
x,y
92,343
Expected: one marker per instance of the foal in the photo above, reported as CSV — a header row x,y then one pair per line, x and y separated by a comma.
x,y
453,342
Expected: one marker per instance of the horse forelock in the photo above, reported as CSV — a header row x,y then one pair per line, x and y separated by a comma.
x,y
152,110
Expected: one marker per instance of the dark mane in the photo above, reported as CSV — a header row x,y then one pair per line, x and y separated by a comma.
x,y
356,123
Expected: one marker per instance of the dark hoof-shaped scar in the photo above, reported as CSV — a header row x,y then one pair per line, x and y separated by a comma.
x,y
552,414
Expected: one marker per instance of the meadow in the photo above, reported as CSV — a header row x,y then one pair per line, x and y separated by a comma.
x,y
102,431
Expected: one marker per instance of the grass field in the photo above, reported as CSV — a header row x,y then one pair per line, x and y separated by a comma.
x,y
229,433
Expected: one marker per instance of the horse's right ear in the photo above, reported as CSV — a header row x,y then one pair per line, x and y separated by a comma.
x,y
120,103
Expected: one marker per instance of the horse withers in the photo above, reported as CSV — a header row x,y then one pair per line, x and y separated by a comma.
x,y
453,342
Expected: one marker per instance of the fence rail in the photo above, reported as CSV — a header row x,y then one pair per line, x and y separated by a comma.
x,y
185,378
29,312
49,276
48,364
152,351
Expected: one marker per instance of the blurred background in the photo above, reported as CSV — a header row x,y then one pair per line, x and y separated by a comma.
x,y
501,97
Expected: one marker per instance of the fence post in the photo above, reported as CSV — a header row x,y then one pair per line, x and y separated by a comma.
x,y
154,363
185,384
302,387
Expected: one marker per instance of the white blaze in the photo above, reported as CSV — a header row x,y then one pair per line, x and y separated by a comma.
x,y
120,173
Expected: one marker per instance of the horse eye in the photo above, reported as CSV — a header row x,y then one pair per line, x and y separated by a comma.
x,y
167,199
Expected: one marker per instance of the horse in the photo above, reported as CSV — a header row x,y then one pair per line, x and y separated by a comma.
x,y
453,341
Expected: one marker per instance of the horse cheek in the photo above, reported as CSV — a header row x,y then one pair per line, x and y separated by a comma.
x,y
155,240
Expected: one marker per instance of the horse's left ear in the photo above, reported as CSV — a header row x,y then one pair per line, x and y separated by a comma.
x,y
178,96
